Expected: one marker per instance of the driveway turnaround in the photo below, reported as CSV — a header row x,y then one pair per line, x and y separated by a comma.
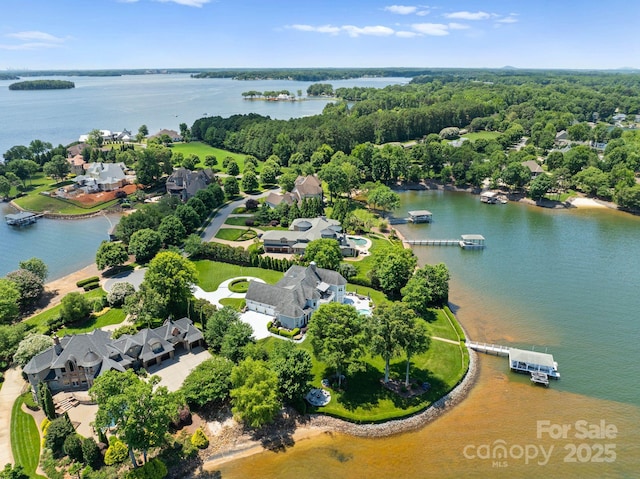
x,y
222,292
133,277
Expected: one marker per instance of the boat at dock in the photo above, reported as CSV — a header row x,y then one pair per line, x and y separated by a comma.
x,y
23,218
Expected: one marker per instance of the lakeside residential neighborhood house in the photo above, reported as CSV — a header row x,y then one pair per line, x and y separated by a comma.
x,y
297,295
307,187
304,230
104,177
74,361
186,183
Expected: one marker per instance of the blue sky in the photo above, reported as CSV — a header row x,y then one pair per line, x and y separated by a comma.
x,y
96,34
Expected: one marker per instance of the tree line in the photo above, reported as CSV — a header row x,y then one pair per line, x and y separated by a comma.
x,y
42,85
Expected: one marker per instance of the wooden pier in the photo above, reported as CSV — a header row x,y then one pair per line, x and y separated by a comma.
x,y
434,242
465,242
494,349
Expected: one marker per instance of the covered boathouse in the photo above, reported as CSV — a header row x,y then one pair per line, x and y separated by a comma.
x,y
523,361
420,216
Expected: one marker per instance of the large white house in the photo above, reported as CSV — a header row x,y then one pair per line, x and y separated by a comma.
x,y
293,299
104,177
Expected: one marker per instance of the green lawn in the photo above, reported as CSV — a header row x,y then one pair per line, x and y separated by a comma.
x,y
236,303
202,149
212,273
39,321
376,296
486,135
230,234
366,400
364,265
25,439
238,220
111,316
37,202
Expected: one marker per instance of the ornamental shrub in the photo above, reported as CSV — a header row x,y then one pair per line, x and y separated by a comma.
x,y
154,469
199,439
117,452
72,447
82,282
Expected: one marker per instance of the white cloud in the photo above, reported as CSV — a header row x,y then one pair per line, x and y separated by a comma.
x,y
320,29
351,30
405,34
510,19
432,29
35,35
468,15
458,26
376,31
29,46
32,40
187,3
401,9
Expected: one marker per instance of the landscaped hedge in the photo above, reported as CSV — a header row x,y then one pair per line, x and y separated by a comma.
x,y
233,286
283,332
90,286
83,282
238,255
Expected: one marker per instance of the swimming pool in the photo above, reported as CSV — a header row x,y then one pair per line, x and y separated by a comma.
x,y
358,241
365,312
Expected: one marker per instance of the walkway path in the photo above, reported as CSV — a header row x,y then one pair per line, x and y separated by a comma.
x,y
11,389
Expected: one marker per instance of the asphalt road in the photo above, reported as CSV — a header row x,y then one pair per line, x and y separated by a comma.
x,y
222,214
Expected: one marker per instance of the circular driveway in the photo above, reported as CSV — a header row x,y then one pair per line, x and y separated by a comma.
x,y
133,277
222,292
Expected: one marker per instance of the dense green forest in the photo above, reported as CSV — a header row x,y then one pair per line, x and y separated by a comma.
x,y
42,85
520,115
8,76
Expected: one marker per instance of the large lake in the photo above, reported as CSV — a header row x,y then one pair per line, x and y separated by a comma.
x,y
562,281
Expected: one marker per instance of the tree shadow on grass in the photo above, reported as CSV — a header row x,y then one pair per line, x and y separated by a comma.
x,y
430,316
362,389
436,387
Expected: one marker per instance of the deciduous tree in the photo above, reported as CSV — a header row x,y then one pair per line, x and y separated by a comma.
x,y
337,337
111,254
255,393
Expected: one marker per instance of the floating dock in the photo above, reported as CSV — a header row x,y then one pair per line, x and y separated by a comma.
x,y
22,219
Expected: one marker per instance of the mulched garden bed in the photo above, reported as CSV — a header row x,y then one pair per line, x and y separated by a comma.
x,y
415,388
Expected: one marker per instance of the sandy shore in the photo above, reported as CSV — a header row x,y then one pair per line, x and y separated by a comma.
x,y
586,203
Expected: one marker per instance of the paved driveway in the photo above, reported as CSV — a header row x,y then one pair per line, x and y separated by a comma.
x,y
134,277
172,372
258,321
11,388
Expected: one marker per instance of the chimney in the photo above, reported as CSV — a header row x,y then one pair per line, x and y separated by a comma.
x,y
312,265
56,344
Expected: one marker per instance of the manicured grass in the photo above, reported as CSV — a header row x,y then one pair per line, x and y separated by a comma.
x,y
230,234
202,150
39,321
25,439
239,286
236,303
376,296
366,400
38,202
364,265
238,220
438,325
111,316
212,273
486,135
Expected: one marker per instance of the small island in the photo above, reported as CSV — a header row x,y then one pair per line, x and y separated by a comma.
x,y
42,85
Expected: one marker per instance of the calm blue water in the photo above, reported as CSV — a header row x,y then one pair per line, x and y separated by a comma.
x,y
566,280
158,101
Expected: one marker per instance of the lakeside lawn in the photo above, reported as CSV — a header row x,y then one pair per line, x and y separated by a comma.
x,y
201,150
112,316
365,400
25,439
